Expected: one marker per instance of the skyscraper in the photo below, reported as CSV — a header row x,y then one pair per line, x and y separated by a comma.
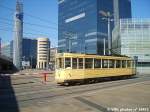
x,y
18,34
81,27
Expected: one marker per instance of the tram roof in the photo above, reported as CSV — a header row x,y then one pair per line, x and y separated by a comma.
x,y
77,55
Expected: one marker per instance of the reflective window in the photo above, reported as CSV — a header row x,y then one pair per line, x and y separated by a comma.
x,y
123,63
88,62
67,62
105,63
80,63
97,63
74,63
111,63
118,64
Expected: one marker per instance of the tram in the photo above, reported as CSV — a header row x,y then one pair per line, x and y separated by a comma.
x,y
71,67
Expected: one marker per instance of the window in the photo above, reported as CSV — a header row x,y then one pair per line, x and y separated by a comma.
x,y
111,63
97,63
123,64
128,64
88,62
59,63
80,63
74,63
67,62
118,63
105,63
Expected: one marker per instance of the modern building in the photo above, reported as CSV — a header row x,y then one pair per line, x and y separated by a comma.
x,y
132,38
18,35
81,28
53,52
29,52
43,46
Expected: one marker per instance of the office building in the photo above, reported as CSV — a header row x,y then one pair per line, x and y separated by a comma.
x,y
29,52
43,46
132,38
18,35
81,28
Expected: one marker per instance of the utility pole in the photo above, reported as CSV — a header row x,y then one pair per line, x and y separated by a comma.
x,y
107,17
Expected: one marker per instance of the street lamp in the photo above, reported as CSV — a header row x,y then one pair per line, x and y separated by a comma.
x,y
107,16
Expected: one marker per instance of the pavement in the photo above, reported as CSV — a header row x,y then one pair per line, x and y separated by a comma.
x,y
29,93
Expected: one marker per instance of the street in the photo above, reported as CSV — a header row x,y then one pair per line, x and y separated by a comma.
x,y
29,93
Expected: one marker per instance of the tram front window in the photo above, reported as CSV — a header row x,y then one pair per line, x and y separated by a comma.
x,y
67,62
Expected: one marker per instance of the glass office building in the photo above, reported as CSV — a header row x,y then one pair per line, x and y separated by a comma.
x,y
132,38
81,28
29,51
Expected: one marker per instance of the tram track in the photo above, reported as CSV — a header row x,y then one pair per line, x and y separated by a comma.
x,y
47,96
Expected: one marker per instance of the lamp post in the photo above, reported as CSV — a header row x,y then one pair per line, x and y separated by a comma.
x,y
107,16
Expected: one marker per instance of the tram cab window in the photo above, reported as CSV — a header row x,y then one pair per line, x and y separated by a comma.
x,y
123,63
88,62
80,63
74,63
67,62
105,63
111,63
118,64
128,64
97,63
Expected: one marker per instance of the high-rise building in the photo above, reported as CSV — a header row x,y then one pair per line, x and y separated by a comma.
x,y
131,37
18,35
43,47
81,27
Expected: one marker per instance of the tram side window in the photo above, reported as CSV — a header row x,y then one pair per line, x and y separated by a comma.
x,y
74,63
105,63
88,62
80,63
118,64
97,63
123,64
129,64
111,63
67,62
59,63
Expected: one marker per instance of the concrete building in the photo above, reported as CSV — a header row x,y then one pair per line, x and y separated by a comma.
x,y
53,52
18,35
81,28
132,38
43,46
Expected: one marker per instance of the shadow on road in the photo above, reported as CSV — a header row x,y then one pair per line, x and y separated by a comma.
x,y
8,101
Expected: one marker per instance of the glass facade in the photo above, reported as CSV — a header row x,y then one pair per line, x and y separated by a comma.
x,y
132,38
29,51
81,28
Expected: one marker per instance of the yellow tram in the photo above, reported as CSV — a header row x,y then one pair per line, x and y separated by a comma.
x,y
71,67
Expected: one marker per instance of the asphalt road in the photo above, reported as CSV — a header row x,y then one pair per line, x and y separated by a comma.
x,y
30,93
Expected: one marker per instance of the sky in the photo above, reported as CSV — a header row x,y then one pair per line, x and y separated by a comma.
x,y
44,14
